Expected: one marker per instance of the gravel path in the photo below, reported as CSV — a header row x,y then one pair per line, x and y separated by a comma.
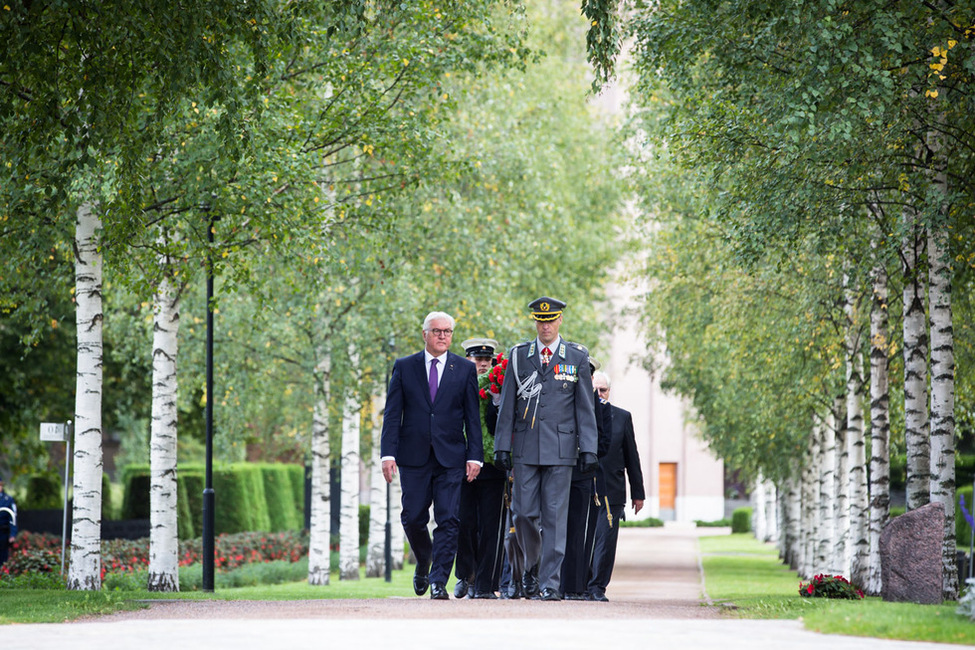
x,y
657,575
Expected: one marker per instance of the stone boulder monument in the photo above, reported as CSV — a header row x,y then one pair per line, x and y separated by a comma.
x,y
910,556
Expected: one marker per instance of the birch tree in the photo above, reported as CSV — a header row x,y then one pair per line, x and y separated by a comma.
x,y
376,552
943,399
319,555
349,518
879,424
163,532
916,426
856,476
84,571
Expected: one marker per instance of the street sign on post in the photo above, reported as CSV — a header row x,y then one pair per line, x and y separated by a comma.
x,y
54,431
61,432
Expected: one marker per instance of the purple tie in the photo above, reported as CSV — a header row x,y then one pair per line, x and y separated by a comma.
x,y
433,380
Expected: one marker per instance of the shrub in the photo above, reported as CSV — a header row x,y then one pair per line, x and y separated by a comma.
x,y
717,523
44,492
825,586
50,580
741,520
649,522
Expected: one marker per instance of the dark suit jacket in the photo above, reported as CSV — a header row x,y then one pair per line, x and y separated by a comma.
x,y
621,455
412,426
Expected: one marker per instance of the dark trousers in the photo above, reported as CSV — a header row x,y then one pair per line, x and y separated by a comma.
x,y
604,549
482,520
4,545
580,533
422,486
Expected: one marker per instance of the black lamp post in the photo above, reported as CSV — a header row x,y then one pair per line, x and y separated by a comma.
x,y
208,495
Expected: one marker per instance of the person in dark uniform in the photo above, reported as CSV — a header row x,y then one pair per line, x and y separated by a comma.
x,y
8,523
482,508
621,455
546,424
583,509
430,406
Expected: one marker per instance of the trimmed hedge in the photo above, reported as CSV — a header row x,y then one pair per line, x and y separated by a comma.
x,y
249,497
741,520
44,492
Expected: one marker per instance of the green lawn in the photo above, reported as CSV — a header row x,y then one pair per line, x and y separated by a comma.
x,y
747,579
19,605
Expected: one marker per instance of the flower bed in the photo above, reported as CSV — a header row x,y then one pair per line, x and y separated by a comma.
x,y
826,586
36,553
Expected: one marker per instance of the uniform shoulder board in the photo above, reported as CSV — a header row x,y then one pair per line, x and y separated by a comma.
x,y
521,345
579,346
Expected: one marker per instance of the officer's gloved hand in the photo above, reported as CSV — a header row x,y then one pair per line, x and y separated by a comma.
x,y
587,462
503,459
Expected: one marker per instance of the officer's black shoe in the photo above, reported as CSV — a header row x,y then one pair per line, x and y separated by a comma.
x,y
514,591
438,591
530,582
575,596
420,582
461,588
485,595
550,594
598,595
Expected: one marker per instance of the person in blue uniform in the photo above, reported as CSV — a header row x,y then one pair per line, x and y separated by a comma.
x,y
482,507
546,424
8,523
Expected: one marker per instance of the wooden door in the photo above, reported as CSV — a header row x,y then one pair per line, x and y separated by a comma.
x,y
668,485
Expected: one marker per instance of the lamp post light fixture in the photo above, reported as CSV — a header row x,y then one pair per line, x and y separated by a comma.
x,y
208,494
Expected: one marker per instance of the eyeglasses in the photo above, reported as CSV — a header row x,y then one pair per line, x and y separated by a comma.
x,y
438,332
602,389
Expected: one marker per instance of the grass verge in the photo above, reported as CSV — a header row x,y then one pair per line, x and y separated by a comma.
x,y
746,577
33,605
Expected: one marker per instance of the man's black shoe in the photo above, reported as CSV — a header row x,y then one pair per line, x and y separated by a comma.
x,y
486,595
530,582
438,591
550,594
598,596
461,588
575,596
420,583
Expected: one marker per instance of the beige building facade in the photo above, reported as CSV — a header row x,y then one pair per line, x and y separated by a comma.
x,y
684,482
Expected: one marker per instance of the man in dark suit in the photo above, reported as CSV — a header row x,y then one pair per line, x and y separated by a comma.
x,y
432,435
546,424
621,456
581,522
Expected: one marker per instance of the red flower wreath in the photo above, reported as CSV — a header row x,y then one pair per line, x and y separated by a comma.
x,y
492,381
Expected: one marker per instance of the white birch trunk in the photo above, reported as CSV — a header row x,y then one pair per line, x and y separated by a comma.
x,y
810,491
943,399
86,560
841,511
771,513
320,532
349,517
759,522
163,533
879,426
826,540
856,443
376,553
916,431
396,516
793,519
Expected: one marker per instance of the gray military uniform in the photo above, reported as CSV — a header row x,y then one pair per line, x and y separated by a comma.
x,y
545,420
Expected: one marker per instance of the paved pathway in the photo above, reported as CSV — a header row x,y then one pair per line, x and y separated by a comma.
x,y
655,602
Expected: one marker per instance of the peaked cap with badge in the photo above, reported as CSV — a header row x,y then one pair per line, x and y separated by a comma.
x,y
480,347
546,309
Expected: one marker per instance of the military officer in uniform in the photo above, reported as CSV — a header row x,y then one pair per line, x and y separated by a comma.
x,y
546,424
482,507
